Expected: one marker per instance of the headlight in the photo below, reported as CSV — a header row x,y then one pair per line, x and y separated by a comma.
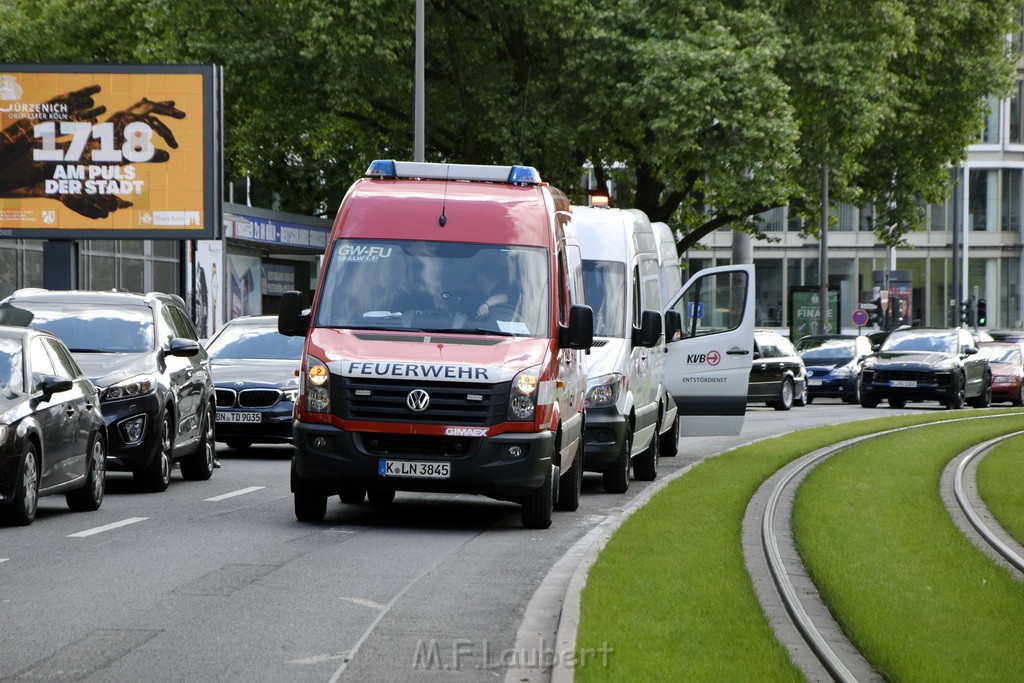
x,y
522,404
317,385
290,395
140,385
604,391
1002,379
3,433
844,371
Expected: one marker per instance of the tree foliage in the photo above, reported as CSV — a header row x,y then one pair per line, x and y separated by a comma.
x,y
704,112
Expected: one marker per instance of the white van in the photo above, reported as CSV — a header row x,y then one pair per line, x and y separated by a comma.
x,y
671,278
626,400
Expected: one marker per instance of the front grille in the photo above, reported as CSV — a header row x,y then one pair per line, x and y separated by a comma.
x,y
462,403
412,445
920,377
225,398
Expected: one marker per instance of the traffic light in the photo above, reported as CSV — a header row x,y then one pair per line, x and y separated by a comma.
x,y
982,312
875,312
965,313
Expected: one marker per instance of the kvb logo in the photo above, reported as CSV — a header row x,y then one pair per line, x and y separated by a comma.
x,y
711,358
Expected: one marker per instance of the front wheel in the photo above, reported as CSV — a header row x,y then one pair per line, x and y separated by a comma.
x,y
616,476
156,477
310,504
957,394
199,465
670,440
570,484
897,403
645,467
537,506
21,510
90,496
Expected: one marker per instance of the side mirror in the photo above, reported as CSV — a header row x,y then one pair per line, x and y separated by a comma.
x,y
580,332
649,332
52,384
673,325
292,321
757,354
970,350
180,346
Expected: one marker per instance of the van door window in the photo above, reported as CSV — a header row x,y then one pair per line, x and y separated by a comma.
x,y
713,304
435,286
604,284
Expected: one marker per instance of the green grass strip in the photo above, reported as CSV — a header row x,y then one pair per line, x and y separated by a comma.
x,y
1001,485
670,594
918,600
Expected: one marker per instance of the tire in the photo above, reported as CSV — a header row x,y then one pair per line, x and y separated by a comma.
x,y
199,465
537,507
867,401
156,477
810,400
90,496
1018,400
310,504
785,399
238,444
21,510
897,402
670,440
645,467
984,400
570,484
352,496
616,476
801,400
955,401
380,496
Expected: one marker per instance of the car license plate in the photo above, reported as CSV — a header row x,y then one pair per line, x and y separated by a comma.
x,y
410,468
814,382
903,383
239,417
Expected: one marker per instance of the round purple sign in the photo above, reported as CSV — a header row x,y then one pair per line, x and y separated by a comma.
x,y
859,317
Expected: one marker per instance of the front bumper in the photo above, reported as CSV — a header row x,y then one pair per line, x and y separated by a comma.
x,y
832,387
603,437
122,454
275,425
331,459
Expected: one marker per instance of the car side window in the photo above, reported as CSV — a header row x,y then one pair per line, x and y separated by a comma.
x,y
168,329
40,363
63,366
182,326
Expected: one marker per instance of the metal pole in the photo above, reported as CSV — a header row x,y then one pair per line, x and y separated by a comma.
x,y
418,153
823,326
955,287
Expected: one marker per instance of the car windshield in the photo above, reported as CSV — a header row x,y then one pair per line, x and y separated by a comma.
x,y
604,287
1002,354
436,287
912,341
86,327
11,374
826,350
254,342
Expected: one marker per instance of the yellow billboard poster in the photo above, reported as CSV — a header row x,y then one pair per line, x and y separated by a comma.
x,y
109,152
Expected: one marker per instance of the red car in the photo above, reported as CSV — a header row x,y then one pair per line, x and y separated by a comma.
x,y
1007,362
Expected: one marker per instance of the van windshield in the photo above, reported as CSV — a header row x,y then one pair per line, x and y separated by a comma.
x,y
436,287
604,286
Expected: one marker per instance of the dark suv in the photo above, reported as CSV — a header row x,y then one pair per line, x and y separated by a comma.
x,y
916,364
142,352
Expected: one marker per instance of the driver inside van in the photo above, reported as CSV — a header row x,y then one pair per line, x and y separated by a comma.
x,y
492,288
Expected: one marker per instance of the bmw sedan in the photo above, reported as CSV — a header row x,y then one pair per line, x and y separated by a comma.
x,y
917,364
52,435
255,370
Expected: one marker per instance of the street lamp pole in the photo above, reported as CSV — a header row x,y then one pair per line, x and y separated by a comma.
x,y
823,257
418,146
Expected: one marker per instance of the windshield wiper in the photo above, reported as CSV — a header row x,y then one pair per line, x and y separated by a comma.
x,y
471,330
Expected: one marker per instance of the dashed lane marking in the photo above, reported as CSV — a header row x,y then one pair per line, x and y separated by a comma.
x,y
107,527
239,492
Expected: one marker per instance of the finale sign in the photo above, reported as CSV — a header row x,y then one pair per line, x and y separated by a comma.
x,y
110,151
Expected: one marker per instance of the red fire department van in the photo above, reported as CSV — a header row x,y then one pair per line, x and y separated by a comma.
x,y
444,346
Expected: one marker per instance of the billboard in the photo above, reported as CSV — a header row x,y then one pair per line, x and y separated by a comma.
x,y
110,151
805,312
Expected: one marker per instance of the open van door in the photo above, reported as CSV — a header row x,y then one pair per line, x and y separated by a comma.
x,y
709,331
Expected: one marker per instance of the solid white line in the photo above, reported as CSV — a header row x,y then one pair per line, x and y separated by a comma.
x,y
4,559
107,527
239,492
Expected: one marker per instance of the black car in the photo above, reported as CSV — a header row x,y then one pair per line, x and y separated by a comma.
x,y
777,376
255,372
52,435
142,351
833,364
927,365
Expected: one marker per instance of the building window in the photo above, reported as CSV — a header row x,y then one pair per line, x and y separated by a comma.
x,y
1011,200
133,265
990,134
1016,130
983,201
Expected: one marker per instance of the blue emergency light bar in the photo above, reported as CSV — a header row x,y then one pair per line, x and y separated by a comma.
x,y
514,175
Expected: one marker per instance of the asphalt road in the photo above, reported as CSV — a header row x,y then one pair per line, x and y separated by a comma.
x,y
217,581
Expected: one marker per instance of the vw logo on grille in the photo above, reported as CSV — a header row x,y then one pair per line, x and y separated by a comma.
x,y
417,400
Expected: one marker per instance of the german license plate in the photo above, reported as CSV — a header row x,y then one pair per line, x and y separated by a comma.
x,y
903,383
412,468
814,382
239,417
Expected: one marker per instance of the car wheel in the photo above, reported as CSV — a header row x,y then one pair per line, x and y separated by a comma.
x,y
537,506
809,401
21,509
157,476
984,400
570,484
310,503
801,399
956,393
785,399
380,496
90,496
857,391
645,467
238,444
1018,400
670,440
199,465
616,476
897,402
352,495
